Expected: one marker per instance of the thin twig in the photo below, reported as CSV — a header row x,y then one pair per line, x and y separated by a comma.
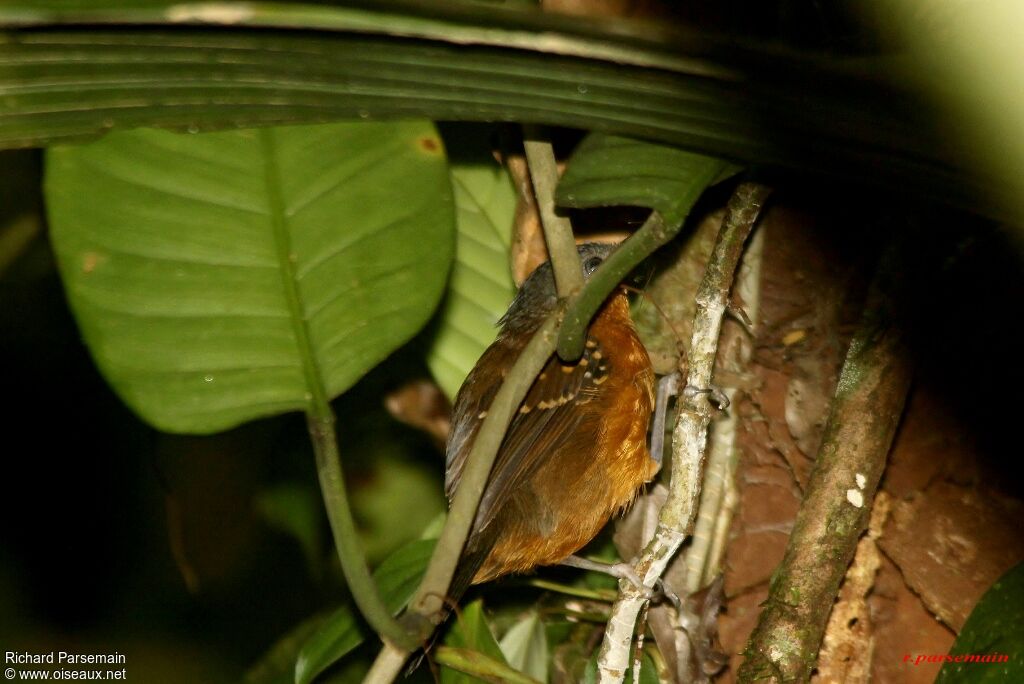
x,y
869,400
561,245
606,595
387,665
690,433
701,556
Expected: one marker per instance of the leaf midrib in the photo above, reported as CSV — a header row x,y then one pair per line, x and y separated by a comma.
x,y
317,401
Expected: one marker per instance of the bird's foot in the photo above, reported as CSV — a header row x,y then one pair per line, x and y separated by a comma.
x,y
715,395
618,570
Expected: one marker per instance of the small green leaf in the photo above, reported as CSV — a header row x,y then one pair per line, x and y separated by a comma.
x,y
339,633
471,632
399,575
525,646
590,672
608,170
477,667
648,670
396,579
222,277
277,665
994,629
481,284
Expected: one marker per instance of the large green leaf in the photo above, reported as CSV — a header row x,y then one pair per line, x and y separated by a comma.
x,y
609,170
396,579
994,630
525,646
222,277
73,69
481,284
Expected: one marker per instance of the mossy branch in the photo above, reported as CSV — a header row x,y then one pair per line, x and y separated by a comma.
x,y
868,403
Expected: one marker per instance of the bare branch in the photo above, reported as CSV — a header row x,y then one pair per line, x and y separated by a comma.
x,y
690,433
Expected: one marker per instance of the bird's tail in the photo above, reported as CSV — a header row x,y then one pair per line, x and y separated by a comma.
x,y
470,562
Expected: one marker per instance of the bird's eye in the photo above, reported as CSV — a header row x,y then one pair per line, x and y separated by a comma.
x,y
591,264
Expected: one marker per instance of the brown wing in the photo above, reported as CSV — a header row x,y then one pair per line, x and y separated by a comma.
x,y
470,409
540,427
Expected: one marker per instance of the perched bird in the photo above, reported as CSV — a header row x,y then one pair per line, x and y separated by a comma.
x,y
575,452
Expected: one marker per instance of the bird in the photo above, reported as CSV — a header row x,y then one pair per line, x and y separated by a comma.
x,y
575,452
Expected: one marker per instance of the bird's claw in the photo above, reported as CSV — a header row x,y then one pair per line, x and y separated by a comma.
x,y
715,395
660,590
668,386
622,571
625,571
740,316
669,594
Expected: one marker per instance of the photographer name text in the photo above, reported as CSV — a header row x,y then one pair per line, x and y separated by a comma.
x,y
63,658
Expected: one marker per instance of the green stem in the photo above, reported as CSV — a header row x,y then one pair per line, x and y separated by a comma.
x,y
426,604
428,599
320,417
606,595
386,665
558,235
353,563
